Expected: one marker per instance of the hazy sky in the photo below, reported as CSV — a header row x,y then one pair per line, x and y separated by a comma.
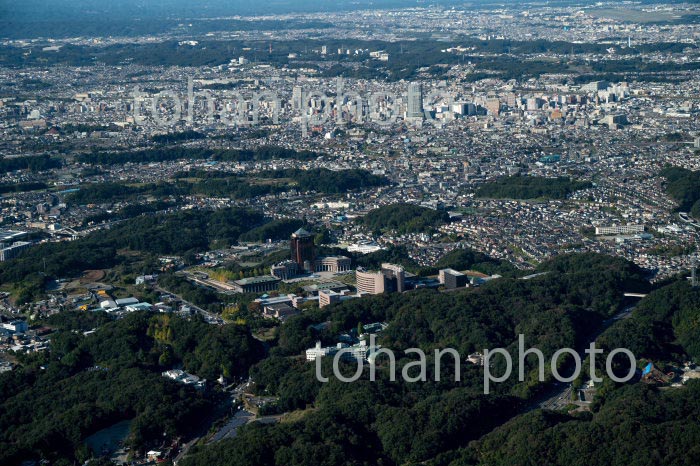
x,y
63,9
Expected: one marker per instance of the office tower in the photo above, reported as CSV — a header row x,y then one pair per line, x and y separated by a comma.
x,y
452,279
390,279
297,98
415,102
394,278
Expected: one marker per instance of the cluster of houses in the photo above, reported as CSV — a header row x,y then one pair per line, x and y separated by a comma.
x,y
15,335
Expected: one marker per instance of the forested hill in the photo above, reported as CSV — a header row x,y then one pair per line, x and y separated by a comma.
x,y
404,218
115,373
638,425
684,187
50,404
396,423
665,326
169,153
530,187
630,425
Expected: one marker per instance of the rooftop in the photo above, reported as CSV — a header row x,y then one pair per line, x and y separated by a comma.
x,y
252,280
300,233
8,235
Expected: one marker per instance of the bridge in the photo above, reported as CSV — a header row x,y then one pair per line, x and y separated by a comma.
x,y
635,295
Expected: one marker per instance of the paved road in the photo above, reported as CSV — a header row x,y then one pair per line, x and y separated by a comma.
x,y
559,396
185,448
559,400
228,430
208,316
242,417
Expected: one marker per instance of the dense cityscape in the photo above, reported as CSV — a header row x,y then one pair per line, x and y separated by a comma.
x,y
202,209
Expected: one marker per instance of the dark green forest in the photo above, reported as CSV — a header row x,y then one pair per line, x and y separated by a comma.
x,y
446,423
392,423
225,184
128,211
684,187
442,425
169,153
407,56
171,138
638,425
665,327
34,163
404,218
22,187
275,230
329,181
85,383
235,187
530,187
630,425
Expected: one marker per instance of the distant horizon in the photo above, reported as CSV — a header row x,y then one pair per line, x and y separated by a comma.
x,y
61,10
61,19
41,10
